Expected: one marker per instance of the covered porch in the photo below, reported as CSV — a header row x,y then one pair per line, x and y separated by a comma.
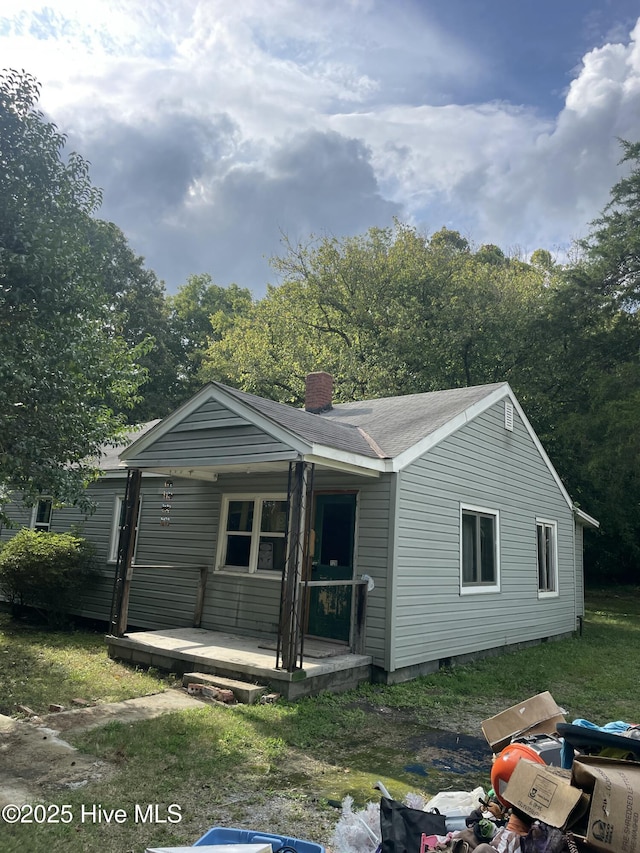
x,y
326,665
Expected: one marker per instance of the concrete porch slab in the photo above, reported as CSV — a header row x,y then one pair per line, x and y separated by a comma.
x,y
183,649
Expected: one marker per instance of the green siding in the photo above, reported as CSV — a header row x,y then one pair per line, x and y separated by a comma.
x,y
213,435
168,558
484,465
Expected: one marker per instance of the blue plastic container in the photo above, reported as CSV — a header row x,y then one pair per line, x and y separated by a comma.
x,y
224,835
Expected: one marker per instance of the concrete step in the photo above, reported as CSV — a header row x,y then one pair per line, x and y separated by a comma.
x,y
243,691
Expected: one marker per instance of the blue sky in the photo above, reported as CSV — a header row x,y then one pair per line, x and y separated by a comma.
x,y
214,127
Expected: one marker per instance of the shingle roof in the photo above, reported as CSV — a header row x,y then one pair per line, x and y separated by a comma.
x,y
110,456
309,427
393,423
397,423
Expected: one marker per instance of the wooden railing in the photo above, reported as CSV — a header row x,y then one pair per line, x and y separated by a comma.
x,y
360,587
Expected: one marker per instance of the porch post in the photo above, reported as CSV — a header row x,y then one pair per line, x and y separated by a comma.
x,y
291,626
126,544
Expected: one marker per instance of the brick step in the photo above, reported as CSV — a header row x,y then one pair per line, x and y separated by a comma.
x,y
242,690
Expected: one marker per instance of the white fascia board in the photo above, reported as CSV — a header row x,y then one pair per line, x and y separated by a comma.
x,y
402,460
541,450
411,454
586,519
341,460
119,473
212,392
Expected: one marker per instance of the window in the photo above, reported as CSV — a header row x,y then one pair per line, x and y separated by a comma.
x,y
116,526
253,530
479,550
41,515
547,557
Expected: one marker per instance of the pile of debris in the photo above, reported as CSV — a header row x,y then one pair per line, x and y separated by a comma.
x,y
556,788
226,691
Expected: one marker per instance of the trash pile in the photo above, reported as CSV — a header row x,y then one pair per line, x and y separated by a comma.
x,y
555,788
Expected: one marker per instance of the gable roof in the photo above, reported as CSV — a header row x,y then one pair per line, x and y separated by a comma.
x,y
369,436
312,428
353,434
398,423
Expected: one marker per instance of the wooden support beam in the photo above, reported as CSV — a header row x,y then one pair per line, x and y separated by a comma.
x,y
202,588
126,546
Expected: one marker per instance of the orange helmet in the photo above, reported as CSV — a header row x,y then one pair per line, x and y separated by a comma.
x,y
505,763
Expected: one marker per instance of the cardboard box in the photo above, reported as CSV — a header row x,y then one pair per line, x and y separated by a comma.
x,y
539,714
613,824
546,794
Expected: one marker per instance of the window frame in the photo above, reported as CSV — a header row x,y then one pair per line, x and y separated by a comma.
x,y
35,524
114,538
252,569
551,524
480,587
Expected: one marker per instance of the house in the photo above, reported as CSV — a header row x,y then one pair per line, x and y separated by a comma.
x,y
413,530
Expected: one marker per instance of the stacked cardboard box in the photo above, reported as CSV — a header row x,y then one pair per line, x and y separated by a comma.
x,y
598,799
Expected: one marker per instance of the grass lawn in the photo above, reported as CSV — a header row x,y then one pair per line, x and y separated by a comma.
x,y
40,666
278,767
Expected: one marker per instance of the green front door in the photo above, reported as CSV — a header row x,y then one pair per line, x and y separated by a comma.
x,y
330,606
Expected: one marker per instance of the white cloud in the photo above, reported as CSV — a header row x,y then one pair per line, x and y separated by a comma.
x,y
211,122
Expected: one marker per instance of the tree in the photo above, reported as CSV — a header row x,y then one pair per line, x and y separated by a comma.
x,y
200,312
139,314
585,397
614,243
60,357
388,312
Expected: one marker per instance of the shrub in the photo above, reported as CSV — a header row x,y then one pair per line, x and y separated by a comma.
x,y
47,571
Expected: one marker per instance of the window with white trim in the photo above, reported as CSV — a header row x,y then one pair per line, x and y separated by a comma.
x,y
117,524
41,515
252,533
547,556
479,549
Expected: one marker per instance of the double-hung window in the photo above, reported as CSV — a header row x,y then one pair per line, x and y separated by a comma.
x,y
41,516
252,533
547,557
479,550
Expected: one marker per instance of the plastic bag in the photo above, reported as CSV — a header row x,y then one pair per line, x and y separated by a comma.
x,y
406,830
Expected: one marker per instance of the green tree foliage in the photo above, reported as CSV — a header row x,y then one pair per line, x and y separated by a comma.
x,y
585,393
60,358
47,571
140,315
613,247
201,312
392,312
389,312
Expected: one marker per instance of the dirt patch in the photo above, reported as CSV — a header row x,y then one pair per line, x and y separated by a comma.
x,y
34,758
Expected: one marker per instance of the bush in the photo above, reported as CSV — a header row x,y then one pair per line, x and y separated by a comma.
x,y
48,571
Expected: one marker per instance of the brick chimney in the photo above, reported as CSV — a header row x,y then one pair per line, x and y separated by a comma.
x,y
318,392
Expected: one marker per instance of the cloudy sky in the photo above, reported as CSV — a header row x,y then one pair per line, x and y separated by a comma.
x,y
216,126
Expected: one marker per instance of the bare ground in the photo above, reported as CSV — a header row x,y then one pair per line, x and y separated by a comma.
x,y
444,752
35,759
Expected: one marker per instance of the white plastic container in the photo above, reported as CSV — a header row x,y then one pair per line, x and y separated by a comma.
x,y
456,803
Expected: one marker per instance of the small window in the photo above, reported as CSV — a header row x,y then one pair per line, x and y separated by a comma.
x,y
547,557
253,530
117,524
479,551
41,517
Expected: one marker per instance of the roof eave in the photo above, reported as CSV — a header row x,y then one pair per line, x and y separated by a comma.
x,y
585,519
